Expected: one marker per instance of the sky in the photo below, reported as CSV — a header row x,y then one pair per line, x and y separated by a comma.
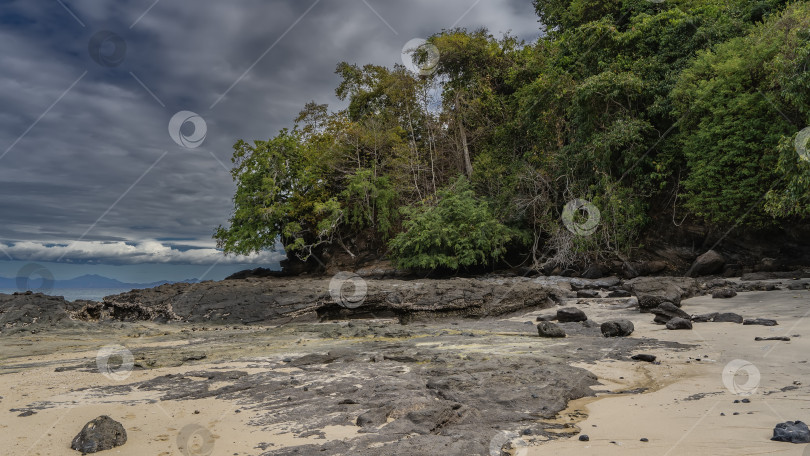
x,y
118,118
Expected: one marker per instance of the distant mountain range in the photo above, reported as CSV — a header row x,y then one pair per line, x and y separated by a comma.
x,y
90,281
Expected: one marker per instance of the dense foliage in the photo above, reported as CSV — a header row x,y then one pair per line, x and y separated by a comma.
x,y
641,108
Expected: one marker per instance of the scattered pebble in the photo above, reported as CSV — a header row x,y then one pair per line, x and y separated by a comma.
x,y
584,438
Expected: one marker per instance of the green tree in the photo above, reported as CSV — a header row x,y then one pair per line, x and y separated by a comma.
x,y
280,195
734,120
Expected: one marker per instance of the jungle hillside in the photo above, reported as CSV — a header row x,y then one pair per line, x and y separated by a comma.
x,y
628,125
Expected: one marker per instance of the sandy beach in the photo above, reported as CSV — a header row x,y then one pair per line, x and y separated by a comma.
x,y
677,404
682,413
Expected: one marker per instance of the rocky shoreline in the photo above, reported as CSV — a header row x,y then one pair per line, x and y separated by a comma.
x,y
427,366
279,300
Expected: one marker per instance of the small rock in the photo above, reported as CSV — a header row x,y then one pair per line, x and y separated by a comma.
x,y
679,323
27,413
728,317
723,293
549,329
760,321
653,291
644,357
667,311
709,263
570,314
546,317
704,318
617,328
782,338
584,438
102,433
791,431
588,294
644,439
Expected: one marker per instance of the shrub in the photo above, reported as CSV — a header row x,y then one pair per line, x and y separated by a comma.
x,y
456,230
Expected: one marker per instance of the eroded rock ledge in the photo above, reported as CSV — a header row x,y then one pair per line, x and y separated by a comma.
x,y
282,300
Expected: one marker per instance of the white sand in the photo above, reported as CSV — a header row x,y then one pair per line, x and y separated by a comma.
x,y
675,426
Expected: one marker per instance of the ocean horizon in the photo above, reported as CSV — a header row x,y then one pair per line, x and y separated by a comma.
x,y
74,294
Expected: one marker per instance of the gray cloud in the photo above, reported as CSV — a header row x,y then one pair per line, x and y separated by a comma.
x,y
122,253
103,134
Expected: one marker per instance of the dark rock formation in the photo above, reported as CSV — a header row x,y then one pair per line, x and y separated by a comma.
x,y
102,433
791,431
760,321
438,397
723,293
652,291
679,323
704,318
549,329
570,314
643,357
617,328
23,309
274,300
728,317
709,263
667,311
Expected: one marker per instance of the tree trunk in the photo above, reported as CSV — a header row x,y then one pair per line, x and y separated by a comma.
x,y
468,169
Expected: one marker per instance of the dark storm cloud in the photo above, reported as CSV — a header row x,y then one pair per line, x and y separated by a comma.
x,y
76,135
